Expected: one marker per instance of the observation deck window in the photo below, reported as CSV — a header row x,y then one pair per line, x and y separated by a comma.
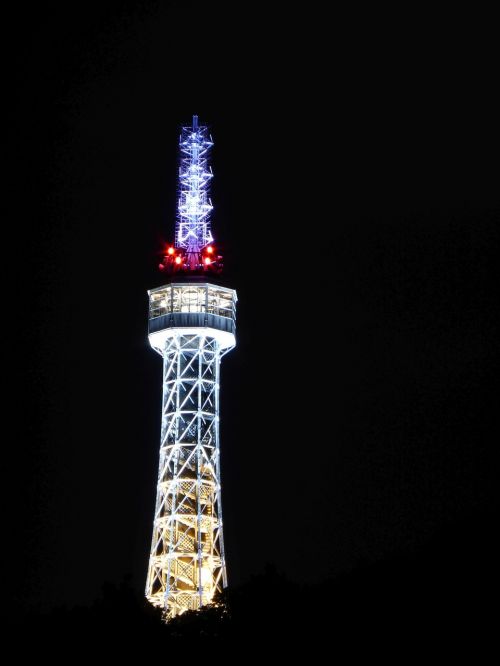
x,y
192,298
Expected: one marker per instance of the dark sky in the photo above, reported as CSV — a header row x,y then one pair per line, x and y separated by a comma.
x,y
356,197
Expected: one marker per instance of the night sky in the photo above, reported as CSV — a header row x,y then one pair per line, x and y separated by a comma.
x,y
356,198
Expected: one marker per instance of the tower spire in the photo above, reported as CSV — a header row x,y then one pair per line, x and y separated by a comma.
x,y
193,250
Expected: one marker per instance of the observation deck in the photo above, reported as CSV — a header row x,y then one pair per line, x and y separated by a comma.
x,y
192,307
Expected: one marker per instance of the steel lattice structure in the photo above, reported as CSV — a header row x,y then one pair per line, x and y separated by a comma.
x,y
191,325
193,222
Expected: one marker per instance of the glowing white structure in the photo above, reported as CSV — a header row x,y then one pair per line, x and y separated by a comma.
x,y
193,225
192,325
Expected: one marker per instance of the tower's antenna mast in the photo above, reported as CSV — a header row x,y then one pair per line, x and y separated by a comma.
x,y
194,250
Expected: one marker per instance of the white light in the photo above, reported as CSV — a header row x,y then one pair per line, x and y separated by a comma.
x,y
206,576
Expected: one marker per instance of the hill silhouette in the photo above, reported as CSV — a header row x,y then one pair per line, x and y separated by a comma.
x,y
440,593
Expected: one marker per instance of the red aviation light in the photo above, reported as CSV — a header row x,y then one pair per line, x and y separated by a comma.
x,y
207,261
210,249
170,251
178,260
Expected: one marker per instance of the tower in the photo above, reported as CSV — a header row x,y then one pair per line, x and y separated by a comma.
x,y
191,325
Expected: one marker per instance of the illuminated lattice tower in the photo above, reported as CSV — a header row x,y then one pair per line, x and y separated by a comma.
x,y
192,325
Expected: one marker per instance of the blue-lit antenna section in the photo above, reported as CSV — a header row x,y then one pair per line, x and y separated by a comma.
x,y
194,250
193,231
